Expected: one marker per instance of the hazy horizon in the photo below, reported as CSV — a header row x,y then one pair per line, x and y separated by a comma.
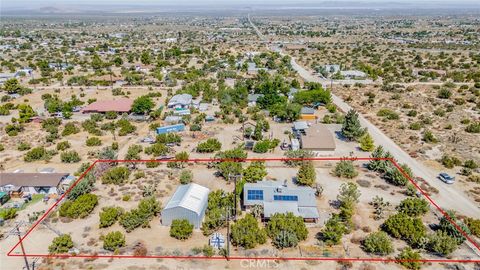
x,y
29,4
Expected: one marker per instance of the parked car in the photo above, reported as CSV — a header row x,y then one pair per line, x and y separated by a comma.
x,y
446,178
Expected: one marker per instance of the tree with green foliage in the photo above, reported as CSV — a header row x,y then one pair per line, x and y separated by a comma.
x,y
181,229
345,169
333,231
61,244
70,157
116,175
81,207
12,86
294,157
246,233
306,175
180,160
140,216
219,204
266,145
313,96
142,105
256,171
85,185
69,129
8,213
413,207
410,229
186,177
366,143
473,225
408,258
37,153
441,243
394,176
113,241
377,163
25,112
352,129
378,243
281,227
448,227
209,146
109,216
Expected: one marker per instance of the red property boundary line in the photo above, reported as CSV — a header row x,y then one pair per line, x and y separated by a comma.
x,y
477,246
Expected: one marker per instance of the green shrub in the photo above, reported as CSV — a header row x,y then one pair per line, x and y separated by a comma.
x,y
70,128
413,207
408,258
246,233
63,145
109,216
93,141
116,175
80,207
70,157
345,169
113,241
405,227
181,229
209,146
23,146
378,243
441,243
141,216
286,230
8,213
37,153
186,177
61,244
306,174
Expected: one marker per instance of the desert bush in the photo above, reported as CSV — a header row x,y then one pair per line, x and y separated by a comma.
x,y
181,229
61,244
113,241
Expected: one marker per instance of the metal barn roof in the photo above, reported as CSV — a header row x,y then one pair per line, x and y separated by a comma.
x,y
192,197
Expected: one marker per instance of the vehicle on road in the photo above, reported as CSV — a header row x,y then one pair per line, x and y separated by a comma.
x,y
446,178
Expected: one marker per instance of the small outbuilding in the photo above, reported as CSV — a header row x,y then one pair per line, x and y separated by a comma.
x,y
319,140
188,202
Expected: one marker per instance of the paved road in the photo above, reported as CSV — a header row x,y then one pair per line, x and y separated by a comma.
x,y
448,198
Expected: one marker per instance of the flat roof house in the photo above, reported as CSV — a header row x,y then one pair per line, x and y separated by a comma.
x,y
188,202
319,140
276,197
180,101
123,105
16,184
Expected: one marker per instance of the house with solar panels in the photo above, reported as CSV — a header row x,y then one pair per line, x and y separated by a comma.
x,y
277,197
188,202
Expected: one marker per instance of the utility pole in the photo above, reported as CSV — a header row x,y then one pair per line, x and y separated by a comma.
x,y
16,231
228,232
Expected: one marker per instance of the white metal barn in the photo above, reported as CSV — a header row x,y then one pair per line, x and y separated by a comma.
x,y
188,202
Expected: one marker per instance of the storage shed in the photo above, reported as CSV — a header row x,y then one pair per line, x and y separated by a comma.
x,y
188,202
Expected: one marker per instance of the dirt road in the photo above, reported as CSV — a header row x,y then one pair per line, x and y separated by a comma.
x,y
449,197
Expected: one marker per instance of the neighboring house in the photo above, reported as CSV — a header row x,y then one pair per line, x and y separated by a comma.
x,y
18,184
171,128
300,126
353,74
252,99
188,202
307,113
180,101
332,68
123,105
276,197
319,140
